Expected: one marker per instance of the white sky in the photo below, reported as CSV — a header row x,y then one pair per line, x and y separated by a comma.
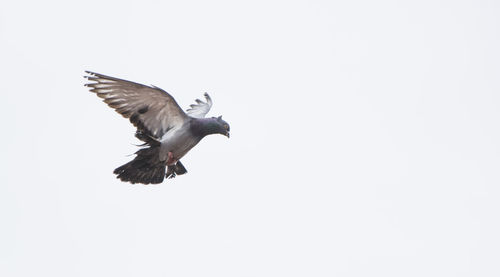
x,y
365,139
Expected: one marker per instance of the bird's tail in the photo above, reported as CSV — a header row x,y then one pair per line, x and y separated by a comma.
x,y
145,168
176,169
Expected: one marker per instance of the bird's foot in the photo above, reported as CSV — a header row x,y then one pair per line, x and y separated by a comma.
x,y
172,175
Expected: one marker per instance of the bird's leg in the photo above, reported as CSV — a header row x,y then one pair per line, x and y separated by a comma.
x,y
171,160
171,166
171,175
170,172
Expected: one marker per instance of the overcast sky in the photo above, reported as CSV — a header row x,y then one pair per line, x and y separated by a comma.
x,y
364,139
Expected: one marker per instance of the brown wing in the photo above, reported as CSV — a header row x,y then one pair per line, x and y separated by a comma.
x,y
150,109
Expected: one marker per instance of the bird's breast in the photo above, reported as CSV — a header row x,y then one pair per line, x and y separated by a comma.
x,y
178,142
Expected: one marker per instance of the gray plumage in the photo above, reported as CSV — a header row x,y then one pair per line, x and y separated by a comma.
x,y
167,131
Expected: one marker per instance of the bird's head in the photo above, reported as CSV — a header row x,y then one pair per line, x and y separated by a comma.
x,y
222,127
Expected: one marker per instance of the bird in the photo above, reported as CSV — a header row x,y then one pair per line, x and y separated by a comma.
x,y
167,131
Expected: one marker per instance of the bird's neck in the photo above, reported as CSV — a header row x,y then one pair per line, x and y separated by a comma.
x,y
204,126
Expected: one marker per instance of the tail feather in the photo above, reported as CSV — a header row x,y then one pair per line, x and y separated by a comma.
x,y
145,168
174,170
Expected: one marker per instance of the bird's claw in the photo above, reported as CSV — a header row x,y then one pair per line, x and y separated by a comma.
x,y
171,176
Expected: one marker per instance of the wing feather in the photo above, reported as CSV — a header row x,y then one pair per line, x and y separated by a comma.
x,y
200,109
150,109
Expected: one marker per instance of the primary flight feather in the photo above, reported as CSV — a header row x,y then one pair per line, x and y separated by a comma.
x,y
167,131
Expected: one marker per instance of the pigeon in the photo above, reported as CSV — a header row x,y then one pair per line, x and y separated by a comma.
x,y
167,131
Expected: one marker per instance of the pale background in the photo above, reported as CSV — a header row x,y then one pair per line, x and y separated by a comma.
x,y
365,139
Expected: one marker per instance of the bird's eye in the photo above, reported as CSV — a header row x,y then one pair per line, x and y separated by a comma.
x,y
226,126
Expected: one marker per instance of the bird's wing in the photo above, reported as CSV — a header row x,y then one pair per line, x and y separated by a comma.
x,y
200,109
150,109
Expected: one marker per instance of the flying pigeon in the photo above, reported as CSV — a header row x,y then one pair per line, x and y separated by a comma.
x,y
167,131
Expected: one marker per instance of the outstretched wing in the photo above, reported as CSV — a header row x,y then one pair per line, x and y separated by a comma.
x,y
200,109
150,109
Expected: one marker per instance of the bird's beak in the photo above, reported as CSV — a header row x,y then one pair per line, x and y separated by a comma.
x,y
227,134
